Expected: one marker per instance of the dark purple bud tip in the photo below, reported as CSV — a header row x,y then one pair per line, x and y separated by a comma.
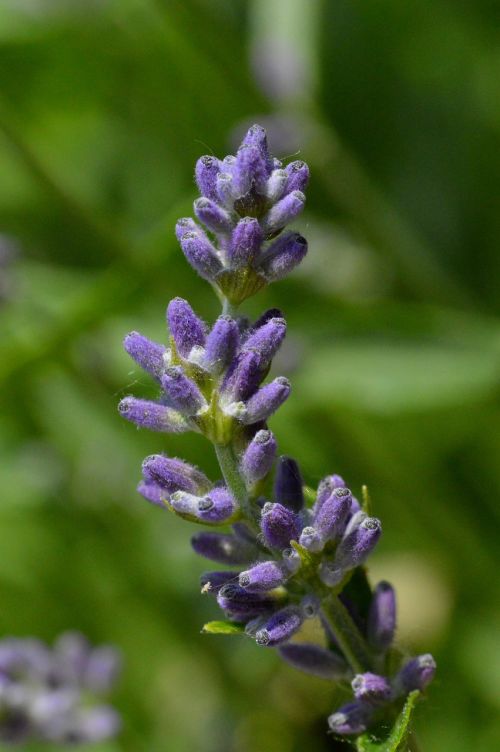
x,y
314,660
382,617
288,484
371,688
206,171
259,457
264,576
350,719
417,673
280,627
185,327
279,526
146,353
283,256
156,417
266,400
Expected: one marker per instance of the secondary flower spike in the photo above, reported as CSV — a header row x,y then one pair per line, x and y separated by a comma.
x,y
292,551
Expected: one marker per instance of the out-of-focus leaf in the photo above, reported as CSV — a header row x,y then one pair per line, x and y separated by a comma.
x,y
223,627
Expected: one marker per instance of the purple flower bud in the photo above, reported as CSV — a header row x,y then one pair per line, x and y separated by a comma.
x,y
331,519
223,548
213,582
102,670
221,344
351,719
153,493
264,576
382,617
279,526
280,627
225,189
152,415
283,256
146,353
250,170
314,660
213,216
266,340
288,484
358,543
243,377
246,241
186,224
241,605
291,560
325,489
371,688
266,400
284,212
298,176
173,475
276,185
416,674
271,313
182,393
185,327
256,136
206,171
214,508
259,457
201,254
311,539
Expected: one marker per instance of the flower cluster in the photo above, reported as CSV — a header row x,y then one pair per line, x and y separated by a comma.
x,y
299,552
47,694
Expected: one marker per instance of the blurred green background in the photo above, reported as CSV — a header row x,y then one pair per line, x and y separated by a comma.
x,y
393,351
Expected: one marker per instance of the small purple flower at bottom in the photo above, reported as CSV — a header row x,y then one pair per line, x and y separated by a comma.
x,y
351,719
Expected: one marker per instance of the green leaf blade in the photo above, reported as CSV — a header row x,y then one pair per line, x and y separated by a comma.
x,y
396,738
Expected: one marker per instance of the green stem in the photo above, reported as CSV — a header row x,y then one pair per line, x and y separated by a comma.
x,y
228,309
230,470
350,641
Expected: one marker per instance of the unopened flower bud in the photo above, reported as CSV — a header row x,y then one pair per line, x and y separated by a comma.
x,y
298,176
186,224
371,688
382,617
265,575
276,185
246,241
288,484
243,377
213,216
291,560
250,170
153,493
206,172
185,327
280,627
416,674
284,212
311,539
201,254
325,489
241,605
152,415
173,475
259,457
267,339
283,256
351,719
267,400
146,353
224,548
331,520
313,659
279,526
225,189
214,508
182,393
358,543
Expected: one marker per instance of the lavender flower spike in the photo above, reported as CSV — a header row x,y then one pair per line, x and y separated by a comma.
x,y
185,327
221,344
288,484
382,617
259,457
416,674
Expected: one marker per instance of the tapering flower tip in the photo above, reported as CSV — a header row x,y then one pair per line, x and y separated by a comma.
x,y
267,339
331,520
417,673
153,493
224,548
371,688
182,393
325,489
298,176
152,415
201,254
246,241
184,225
256,136
283,256
279,526
172,474
291,560
288,484
313,659
146,353
382,617
283,212
264,576
214,217
241,605
266,400
186,328
221,344
213,582
242,377
206,172
351,719
358,543
311,539
280,627
259,457
250,171
276,185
